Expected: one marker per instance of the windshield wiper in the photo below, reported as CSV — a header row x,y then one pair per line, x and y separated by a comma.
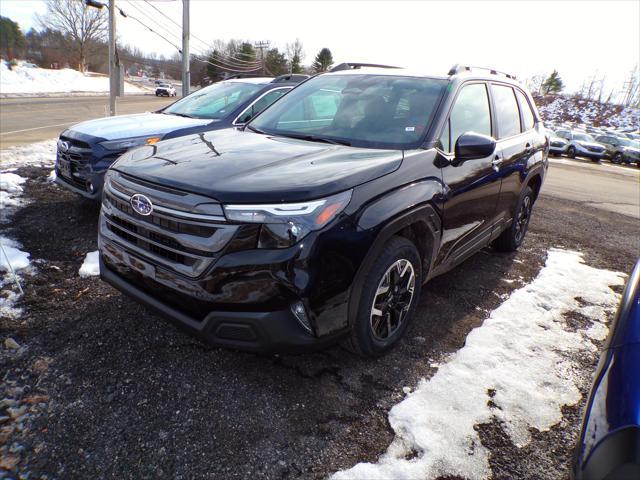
x,y
180,114
314,138
254,129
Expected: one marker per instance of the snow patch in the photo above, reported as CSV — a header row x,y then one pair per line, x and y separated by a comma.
x,y
517,368
11,257
91,265
39,154
23,80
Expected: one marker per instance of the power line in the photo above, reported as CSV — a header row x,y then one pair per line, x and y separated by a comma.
x,y
207,45
149,28
227,68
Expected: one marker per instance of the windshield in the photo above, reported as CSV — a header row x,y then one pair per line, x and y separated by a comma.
x,y
373,111
583,137
624,142
215,101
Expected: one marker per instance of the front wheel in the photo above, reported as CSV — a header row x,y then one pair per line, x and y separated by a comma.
x,y
617,158
571,152
388,299
512,237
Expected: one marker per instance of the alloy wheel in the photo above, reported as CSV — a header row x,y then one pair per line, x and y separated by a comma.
x,y
392,299
522,220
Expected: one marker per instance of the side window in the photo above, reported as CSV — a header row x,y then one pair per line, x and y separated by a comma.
x,y
260,105
563,134
527,114
470,113
507,113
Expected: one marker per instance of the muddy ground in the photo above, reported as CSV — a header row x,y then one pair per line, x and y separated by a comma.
x,y
102,388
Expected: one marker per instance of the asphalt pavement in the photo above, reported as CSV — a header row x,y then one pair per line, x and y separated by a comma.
x,y
27,120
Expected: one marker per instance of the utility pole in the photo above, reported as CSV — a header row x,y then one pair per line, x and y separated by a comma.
x,y
186,74
114,69
262,46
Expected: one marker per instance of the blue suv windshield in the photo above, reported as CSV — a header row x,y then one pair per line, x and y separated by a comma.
x,y
215,101
368,110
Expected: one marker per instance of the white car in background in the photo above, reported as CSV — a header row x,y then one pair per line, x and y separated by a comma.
x,y
581,144
165,89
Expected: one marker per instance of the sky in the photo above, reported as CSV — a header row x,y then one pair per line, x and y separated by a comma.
x,y
526,38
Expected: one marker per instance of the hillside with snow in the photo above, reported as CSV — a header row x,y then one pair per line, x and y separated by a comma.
x,y
26,81
561,108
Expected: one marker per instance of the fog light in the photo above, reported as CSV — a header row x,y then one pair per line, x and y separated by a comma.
x,y
300,313
91,188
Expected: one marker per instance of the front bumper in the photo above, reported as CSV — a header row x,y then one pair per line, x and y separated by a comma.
x,y
81,185
585,152
272,331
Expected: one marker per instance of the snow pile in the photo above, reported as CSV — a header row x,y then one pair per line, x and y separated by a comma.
x,y
91,266
10,189
560,108
39,154
13,261
517,368
23,80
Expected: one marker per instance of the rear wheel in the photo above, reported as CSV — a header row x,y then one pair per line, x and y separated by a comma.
x,y
513,236
571,152
387,300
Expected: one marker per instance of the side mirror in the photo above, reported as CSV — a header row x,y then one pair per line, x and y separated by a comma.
x,y
471,146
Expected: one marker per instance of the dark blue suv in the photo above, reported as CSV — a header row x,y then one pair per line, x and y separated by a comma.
x,y
87,149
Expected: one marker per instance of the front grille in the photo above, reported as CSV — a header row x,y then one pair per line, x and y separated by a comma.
x,y
182,240
78,154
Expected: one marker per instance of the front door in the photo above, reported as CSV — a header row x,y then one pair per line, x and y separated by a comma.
x,y
473,187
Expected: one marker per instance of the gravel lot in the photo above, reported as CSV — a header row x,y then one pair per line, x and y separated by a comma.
x,y
109,390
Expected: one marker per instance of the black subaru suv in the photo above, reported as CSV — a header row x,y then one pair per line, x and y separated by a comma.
x,y
320,220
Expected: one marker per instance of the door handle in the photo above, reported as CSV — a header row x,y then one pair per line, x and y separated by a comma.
x,y
496,162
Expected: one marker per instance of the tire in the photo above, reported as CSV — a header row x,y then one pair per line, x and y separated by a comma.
x,y
371,336
511,239
618,158
571,152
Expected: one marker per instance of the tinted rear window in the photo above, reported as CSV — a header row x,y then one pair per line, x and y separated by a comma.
x,y
507,112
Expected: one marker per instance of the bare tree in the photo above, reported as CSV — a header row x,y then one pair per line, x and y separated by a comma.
x,y
83,25
631,89
534,83
295,55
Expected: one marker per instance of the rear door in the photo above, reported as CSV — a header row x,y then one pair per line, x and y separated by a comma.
x,y
518,143
473,186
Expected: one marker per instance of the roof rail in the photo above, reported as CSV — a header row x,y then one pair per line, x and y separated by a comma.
x,y
243,75
290,77
354,66
457,68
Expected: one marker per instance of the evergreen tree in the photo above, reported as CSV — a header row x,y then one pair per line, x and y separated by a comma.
x,y
553,84
295,64
247,52
11,38
214,73
323,61
276,62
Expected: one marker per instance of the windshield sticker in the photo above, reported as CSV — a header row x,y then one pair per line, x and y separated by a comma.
x,y
409,129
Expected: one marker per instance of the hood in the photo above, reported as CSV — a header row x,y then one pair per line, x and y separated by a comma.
x,y
558,139
245,167
632,149
126,126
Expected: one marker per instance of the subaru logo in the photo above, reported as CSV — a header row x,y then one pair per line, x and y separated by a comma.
x,y
141,204
63,146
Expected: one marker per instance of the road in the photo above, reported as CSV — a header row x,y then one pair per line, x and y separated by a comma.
x,y
603,186
27,120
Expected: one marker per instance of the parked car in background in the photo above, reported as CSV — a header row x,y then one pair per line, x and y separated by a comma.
x,y
557,145
165,90
581,144
609,443
87,149
320,220
620,149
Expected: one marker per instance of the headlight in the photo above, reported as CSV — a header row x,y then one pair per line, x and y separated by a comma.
x,y
126,143
285,224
